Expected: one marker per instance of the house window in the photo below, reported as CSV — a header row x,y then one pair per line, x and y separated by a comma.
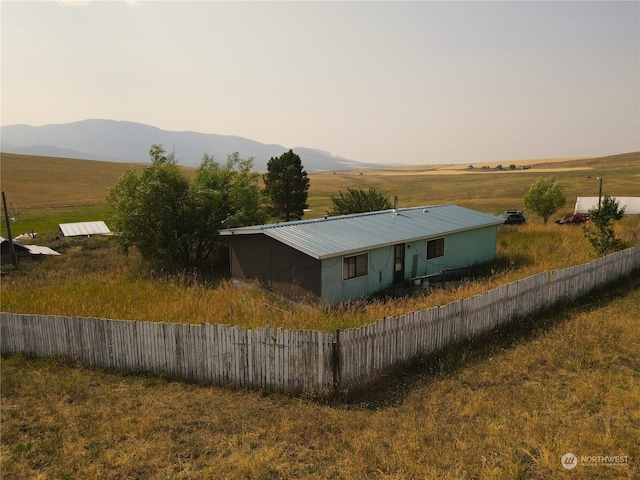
x,y
435,248
356,266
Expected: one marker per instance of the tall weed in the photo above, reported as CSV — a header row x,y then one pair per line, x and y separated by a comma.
x,y
93,279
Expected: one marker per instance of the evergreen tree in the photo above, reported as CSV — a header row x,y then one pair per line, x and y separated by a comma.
x,y
286,186
600,233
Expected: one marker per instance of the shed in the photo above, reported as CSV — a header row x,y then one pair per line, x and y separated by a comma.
x,y
22,251
335,259
584,204
84,229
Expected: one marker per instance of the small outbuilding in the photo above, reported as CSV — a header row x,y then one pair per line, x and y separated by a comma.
x,y
336,259
83,229
584,204
22,251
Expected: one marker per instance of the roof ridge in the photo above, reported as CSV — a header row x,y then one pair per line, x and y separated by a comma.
x,y
352,215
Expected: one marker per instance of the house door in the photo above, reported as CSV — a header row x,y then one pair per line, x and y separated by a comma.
x,y
398,264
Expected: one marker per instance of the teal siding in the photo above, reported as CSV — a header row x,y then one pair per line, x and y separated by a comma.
x,y
473,246
460,250
335,290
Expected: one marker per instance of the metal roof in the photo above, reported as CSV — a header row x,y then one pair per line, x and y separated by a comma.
x,y
32,249
39,250
84,228
631,205
333,236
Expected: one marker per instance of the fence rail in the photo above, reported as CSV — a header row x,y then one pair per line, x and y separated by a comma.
x,y
296,361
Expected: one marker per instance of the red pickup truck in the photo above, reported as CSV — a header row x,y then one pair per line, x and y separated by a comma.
x,y
573,219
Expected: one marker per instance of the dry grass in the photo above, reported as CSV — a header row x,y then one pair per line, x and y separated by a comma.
x,y
507,408
92,279
491,192
47,183
47,191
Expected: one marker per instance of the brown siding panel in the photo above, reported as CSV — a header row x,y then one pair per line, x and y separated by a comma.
x,y
250,257
275,264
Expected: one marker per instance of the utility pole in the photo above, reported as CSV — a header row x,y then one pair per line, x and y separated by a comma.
x,y
599,192
600,209
12,249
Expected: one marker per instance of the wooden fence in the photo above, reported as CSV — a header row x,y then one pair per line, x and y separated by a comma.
x,y
296,361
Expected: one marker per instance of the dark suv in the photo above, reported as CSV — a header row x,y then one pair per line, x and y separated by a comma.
x,y
514,217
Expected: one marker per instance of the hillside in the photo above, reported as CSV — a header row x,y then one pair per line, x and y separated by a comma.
x,y
506,406
129,142
44,191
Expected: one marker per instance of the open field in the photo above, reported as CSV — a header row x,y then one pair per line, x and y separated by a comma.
x,y
93,279
506,407
45,191
487,191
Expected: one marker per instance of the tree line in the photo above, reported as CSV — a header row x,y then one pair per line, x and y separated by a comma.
x,y
173,219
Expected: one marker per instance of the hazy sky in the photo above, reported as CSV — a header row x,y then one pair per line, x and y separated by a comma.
x,y
411,82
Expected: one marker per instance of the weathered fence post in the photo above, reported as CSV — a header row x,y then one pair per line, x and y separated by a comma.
x,y
335,360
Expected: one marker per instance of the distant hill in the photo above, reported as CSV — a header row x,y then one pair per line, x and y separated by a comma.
x,y
120,141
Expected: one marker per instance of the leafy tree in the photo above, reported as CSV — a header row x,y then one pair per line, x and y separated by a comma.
x,y
286,186
159,155
600,233
545,197
356,200
225,193
174,221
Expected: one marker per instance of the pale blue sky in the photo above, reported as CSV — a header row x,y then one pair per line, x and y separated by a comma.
x,y
411,82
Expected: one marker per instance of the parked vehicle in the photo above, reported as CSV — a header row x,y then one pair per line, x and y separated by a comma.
x,y
514,217
573,219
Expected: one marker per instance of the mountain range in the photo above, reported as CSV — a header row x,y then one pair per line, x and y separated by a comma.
x,y
121,141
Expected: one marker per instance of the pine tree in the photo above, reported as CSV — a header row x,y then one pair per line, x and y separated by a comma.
x,y
600,233
286,186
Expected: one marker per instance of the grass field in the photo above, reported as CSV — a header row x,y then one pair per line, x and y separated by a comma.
x,y
92,278
488,191
505,406
46,191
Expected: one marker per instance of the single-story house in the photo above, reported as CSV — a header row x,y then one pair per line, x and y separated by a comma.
x,y
584,204
83,229
22,251
335,259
